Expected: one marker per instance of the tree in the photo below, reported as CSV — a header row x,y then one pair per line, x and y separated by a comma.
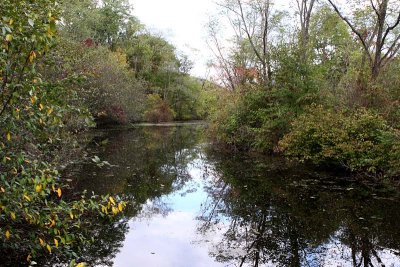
x,y
224,64
305,8
106,22
253,21
36,216
382,42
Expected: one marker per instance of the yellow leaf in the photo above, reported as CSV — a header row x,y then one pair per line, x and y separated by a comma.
x,y
71,215
8,234
48,248
33,99
103,209
13,216
41,106
59,193
9,136
49,111
38,188
27,197
9,37
54,188
112,200
29,258
32,56
120,206
52,223
56,242
114,210
81,264
41,242
2,190
11,22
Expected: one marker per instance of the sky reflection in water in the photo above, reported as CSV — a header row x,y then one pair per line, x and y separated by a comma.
x,y
195,207
169,240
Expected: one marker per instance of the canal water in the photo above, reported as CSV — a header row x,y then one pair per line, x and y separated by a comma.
x,y
191,205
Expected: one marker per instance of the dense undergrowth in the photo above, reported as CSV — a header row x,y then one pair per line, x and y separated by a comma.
x,y
318,100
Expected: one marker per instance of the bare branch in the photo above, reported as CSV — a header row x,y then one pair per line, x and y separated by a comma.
x,y
391,28
248,33
352,27
393,49
375,9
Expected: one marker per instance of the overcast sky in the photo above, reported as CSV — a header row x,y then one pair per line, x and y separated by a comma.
x,y
182,22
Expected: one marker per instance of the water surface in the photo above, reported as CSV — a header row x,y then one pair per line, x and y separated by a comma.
x,y
193,206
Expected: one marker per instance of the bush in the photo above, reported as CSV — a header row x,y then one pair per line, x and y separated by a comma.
x,y
107,86
157,110
36,216
251,120
359,140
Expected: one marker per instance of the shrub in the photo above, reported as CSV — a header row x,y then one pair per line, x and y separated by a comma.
x,y
36,217
157,110
359,140
106,84
251,120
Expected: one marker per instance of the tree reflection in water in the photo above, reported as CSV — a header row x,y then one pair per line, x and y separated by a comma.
x,y
259,214
147,164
